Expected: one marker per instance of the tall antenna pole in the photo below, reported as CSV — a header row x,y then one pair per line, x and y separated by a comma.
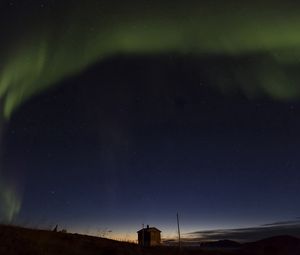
x,y
179,241
143,241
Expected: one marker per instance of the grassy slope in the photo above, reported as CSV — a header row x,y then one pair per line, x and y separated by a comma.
x,y
21,241
15,240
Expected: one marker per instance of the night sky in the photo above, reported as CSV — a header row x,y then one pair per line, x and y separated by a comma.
x,y
116,114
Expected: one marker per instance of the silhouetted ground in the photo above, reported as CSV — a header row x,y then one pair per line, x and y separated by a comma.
x,y
274,246
21,241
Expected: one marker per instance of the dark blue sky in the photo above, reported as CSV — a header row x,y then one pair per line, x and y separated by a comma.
x,y
134,140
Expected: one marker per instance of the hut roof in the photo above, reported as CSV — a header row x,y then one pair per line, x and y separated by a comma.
x,y
152,229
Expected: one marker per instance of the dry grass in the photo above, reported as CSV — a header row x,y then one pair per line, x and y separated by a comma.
x,y
21,241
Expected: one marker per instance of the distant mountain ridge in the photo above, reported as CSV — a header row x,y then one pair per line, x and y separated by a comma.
x,y
221,244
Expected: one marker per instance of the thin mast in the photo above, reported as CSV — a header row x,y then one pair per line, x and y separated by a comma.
x,y
179,240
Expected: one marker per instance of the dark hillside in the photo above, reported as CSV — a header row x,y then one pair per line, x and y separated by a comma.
x,y
278,245
22,241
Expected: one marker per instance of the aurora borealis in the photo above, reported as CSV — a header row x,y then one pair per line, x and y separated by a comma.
x,y
249,47
48,41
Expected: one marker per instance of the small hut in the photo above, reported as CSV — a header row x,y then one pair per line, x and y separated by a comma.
x,y
149,236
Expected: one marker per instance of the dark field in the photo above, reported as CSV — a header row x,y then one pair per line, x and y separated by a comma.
x,y
15,240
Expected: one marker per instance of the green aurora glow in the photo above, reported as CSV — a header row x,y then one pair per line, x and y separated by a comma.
x,y
42,46
54,44
10,202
